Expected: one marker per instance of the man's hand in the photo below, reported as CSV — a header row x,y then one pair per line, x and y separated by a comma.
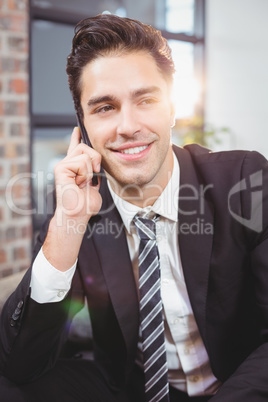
x,y
76,201
76,197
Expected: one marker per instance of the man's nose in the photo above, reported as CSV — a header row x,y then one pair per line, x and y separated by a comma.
x,y
128,121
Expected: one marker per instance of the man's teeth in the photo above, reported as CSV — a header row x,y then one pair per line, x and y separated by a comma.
x,y
135,150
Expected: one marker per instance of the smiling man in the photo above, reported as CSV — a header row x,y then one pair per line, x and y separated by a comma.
x,y
169,249
128,113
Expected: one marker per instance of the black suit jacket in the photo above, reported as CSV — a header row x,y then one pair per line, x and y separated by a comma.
x,y
223,240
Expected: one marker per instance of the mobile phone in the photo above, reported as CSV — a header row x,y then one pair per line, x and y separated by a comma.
x,y
86,141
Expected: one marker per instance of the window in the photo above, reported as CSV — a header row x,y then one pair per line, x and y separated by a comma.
x,y
52,113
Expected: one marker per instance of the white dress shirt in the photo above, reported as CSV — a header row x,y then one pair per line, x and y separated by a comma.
x,y
187,359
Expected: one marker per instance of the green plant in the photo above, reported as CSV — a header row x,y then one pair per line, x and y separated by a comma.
x,y
194,130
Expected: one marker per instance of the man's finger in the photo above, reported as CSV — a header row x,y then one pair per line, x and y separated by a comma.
x,y
75,140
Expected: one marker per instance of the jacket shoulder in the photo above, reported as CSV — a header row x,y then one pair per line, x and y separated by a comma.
x,y
216,167
199,154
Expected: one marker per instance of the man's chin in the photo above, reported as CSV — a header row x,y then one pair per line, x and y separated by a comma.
x,y
126,181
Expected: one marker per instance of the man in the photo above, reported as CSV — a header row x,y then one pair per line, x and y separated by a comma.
x,y
205,337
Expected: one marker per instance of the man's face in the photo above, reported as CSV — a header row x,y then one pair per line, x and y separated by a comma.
x,y
128,116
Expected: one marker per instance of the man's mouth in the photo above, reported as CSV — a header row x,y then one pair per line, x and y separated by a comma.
x,y
135,150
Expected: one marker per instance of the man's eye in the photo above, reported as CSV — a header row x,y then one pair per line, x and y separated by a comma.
x,y
148,101
104,109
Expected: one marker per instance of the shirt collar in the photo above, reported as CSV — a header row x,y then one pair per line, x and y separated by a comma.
x,y
166,205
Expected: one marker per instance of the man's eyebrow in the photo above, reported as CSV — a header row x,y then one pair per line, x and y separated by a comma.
x,y
146,90
100,99
135,94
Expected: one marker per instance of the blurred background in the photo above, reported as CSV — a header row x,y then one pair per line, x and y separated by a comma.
x,y
220,48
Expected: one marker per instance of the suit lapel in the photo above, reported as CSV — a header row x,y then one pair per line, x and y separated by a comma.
x,y
195,235
114,259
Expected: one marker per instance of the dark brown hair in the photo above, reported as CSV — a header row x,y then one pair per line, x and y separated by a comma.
x,y
108,34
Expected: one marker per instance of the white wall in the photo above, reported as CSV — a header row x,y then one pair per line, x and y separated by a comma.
x,y
237,71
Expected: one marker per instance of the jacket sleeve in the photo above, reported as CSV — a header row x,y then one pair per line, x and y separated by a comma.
x,y
249,382
32,334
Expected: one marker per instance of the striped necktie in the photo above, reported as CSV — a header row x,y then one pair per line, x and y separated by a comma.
x,y
151,320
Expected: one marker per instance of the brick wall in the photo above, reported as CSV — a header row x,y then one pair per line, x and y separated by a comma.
x,y
15,220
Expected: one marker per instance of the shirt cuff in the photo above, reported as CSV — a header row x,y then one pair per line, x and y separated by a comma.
x,y
48,284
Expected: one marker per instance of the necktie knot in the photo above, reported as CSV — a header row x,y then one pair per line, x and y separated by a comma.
x,y
145,227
